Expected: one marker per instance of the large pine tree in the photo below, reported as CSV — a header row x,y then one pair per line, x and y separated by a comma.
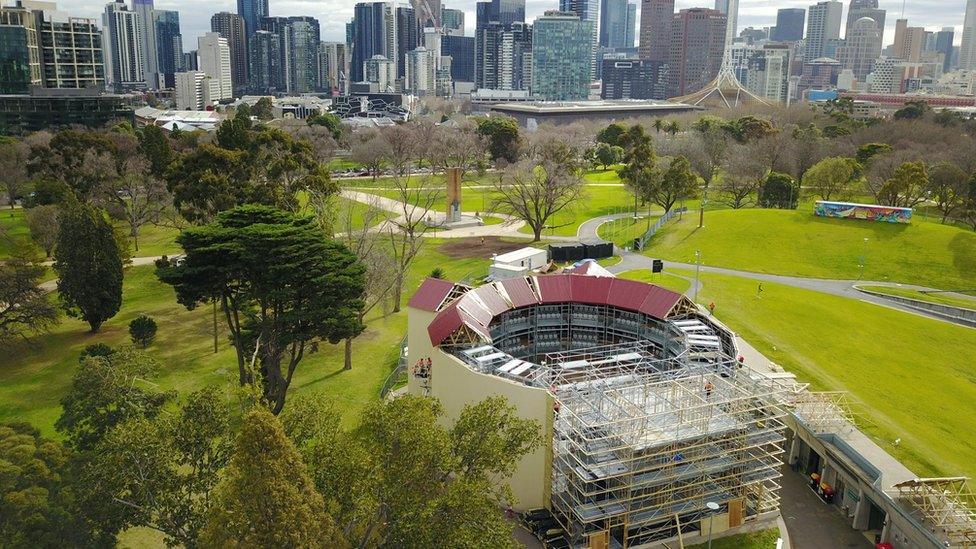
x,y
88,261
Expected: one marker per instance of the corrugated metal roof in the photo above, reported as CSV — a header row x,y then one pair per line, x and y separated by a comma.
x,y
519,292
659,302
627,293
590,289
444,324
555,288
431,294
492,298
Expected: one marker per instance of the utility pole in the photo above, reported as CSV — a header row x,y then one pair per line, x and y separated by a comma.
x,y
697,273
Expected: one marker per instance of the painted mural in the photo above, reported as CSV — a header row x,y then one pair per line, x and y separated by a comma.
x,y
868,212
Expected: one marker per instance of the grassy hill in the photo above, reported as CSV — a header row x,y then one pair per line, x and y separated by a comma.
x,y
798,243
913,375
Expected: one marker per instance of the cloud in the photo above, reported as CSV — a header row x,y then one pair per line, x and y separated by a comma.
x,y
334,14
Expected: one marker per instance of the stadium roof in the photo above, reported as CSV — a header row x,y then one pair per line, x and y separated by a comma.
x,y
617,105
476,308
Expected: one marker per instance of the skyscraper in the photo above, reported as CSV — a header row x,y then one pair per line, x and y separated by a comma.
x,y
697,47
967,51
408,37
862,48
123,47
655,29
428,12
147,27
252,11
169,45
731,10
909,41
823,25
865,8
373,34
20,53
461,51
943,45
562,56
265,70
617,24
452,22
629,78
769,72
215,62
231,27
586,10
301,38
333,67
502,42
789,25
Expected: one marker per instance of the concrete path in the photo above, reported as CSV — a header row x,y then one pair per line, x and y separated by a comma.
x,y
52,285
813,524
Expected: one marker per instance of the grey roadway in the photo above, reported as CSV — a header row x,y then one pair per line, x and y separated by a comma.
x,y
843,288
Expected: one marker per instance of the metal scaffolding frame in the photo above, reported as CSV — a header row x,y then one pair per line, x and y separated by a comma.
x,y
948,504
638,454
823,411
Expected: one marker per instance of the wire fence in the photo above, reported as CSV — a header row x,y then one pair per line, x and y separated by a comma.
x,y
641,241
399,374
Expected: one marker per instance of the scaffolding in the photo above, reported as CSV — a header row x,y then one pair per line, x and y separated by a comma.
x,y
637,455
823,412
948,504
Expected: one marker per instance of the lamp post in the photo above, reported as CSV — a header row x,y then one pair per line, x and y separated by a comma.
x,y
697,273
712,508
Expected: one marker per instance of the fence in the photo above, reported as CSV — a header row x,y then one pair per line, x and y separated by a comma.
x,y
399,374
640,241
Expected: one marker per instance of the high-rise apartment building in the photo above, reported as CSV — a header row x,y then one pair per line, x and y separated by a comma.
x,y
20,52
374,33
789,25
943,45
215,62
192,91
823,25
169,45
503,44
123,46
655,29
265,70
697,47
909,41
147,35
967,51
300,37
380,71
731,10
586,10
617,22
862,48
461,51
252,11
633,78
865,8
421,72
408,36
562,56
769,72
231,27
333,64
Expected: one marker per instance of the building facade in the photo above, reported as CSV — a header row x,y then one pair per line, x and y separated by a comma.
x,y
408,36
697,47
169,45
789,25
769,73
265,70
215,63
862,48
374,33
823,26
20,52
421,72
147,25
562,52
967,51
192,91
634,78
333,64
231,27
452,22
503,56
123,47
909,41
655,29
461,51
586,10
380,71
864,8
252,11
617,24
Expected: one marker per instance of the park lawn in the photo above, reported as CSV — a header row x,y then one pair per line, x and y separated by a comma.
x,y
665,280
35,375
596,201
911,375
795,242
940,299
603,176
438,181
622,232
154,240
14,234
763,539
342,164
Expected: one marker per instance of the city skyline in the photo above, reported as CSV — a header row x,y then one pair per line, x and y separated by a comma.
x,y
334,14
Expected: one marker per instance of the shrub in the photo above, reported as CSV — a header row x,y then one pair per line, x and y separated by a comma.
x,y
142,330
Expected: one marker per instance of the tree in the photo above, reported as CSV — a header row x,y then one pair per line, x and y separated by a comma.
x,y
328,120
42,222
913,110
947,187
968,206
266,498
866,152
611,134
105,392
745,170
659,125
457,146
72,156
262,109
540,187
159,472
748,128
807,147
208,180
607,155
370,150
130,190
677,182
906,187
47,192
672,128
502,134
779,191
142,330
638,172
832,177
156,149
24,306
13,165
36,500
88,261
282,286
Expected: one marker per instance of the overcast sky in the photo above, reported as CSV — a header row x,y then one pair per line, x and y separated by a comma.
x,y
333,14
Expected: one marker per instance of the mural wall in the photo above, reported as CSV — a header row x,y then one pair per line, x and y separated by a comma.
x,y
869,212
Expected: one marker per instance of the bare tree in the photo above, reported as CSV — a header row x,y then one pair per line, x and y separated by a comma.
x,y
745,169
457,145
42,222
13,169
369,149
541,186
882,167
130,192
358,234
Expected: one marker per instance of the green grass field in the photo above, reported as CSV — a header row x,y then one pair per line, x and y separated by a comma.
x,y
664,280
798,243
622,232
939,299
34,375
14,234
912,375
764,539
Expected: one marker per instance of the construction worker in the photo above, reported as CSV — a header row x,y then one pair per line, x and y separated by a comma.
x,y
708,389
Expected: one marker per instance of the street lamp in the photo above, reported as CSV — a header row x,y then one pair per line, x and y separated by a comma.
x,y
697,273
712,508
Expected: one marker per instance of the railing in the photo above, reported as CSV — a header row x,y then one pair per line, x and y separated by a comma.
x,y
399,374
640,241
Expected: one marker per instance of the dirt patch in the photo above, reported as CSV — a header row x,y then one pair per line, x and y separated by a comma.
x,y
459,248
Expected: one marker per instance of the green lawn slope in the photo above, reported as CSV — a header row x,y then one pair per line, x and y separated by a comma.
x,y
798,243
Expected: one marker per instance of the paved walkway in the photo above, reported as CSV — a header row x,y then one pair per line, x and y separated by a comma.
x,y
811,523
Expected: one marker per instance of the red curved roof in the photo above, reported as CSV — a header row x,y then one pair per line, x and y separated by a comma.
x,y
476,308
